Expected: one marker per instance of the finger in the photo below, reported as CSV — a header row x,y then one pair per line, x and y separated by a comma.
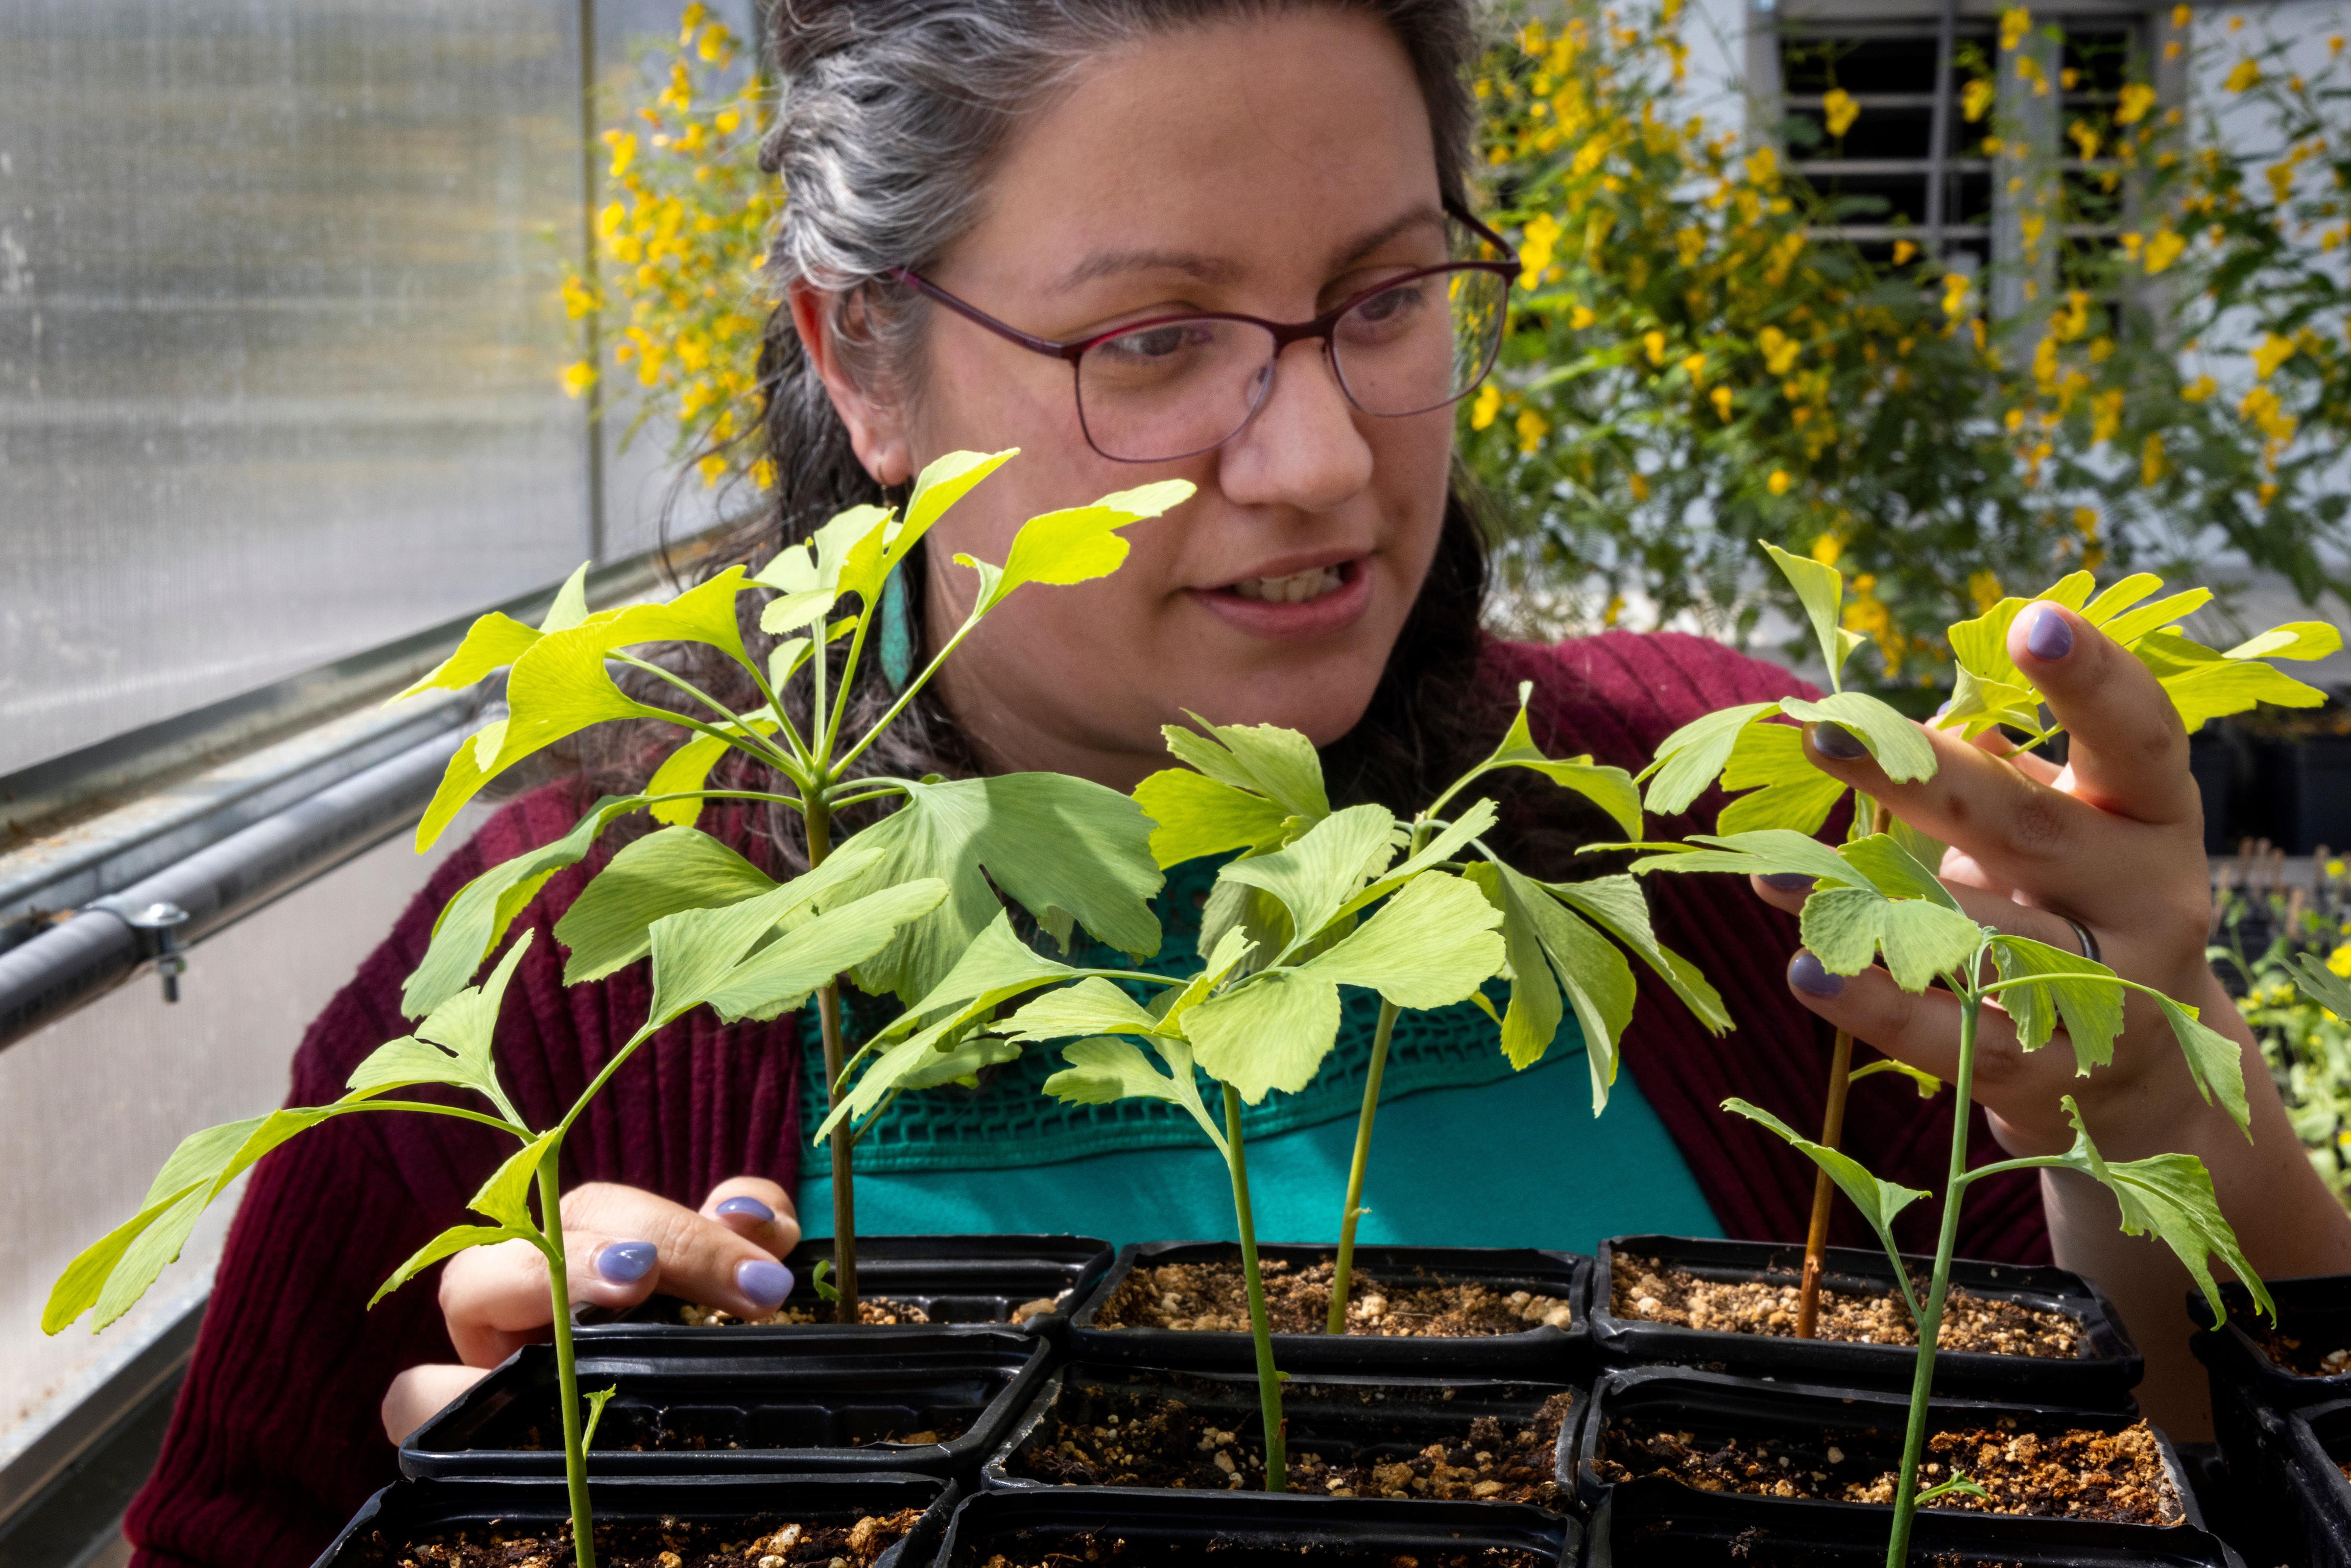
x,y
757,1209
2033,766
421,1393
1921,1029
1784,890
2048,927
700,1257
495,1300
2129,750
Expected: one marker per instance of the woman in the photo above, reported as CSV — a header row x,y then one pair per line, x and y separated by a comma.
x,y
1066,167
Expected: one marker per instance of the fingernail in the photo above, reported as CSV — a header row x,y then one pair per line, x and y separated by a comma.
x,y
1945,708
1788,881
1807,976
625,1262
2049,637
750,1206
1835,740
764,1283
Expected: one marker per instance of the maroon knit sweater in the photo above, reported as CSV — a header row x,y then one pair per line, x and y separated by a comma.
x,y
276,1441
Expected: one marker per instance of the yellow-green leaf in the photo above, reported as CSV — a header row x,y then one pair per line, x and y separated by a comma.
x,y
1271,1031
1901,748
609,926
1280,764
1788,791
1821,589
1688,759
1430,945
1193,815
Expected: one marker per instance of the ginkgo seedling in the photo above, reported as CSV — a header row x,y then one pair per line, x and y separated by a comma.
x,y
897,906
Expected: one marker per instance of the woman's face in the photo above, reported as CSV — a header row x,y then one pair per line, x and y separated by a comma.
x,y
1272,168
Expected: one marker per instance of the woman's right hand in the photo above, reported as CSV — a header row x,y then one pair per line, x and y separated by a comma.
x,y
621,1245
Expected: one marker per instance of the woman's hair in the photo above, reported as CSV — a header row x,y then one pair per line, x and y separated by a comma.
x,y
892,116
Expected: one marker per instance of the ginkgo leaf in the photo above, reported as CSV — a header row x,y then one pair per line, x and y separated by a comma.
x,y
1845,927
1315,875
1878,1201
1821,589
570,605
2214,1060
1617,905
2091,1007
1093,1006
2323,984
1788,791
1532,1021
609,926
773,980
1610,789
2204,685
448,1244
1688,759
1270,1032
1073,546
454,1044
1195,815
1104,1071
2294,640
1479,817
1980,703
793,610
945,480
1894,871
1280,764
962,1065
2112,600
687,769
1550,946
1762,852
506,1197
1901,748
2166,612
492,642
2170,1197
1430,946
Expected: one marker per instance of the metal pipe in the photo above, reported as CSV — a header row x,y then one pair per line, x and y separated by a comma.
x,y
106,943
1939,150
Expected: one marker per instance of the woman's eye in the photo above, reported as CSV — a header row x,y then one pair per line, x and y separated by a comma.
x,y
1388,312
1155,343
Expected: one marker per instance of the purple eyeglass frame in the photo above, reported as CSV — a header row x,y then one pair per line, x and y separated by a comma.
x,y
1284,333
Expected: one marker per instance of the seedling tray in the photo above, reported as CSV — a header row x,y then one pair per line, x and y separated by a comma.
x,y
1714,1408
1539,1351
1701,1533
2253,1394
960,1283
2317,1531
840,1405
1249,1530
2100,1378
1342,1418
409,1510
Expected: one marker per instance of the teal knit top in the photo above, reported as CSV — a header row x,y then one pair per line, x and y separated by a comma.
x,y
1007,1158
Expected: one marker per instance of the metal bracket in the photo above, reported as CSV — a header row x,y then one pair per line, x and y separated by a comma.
x,y
157,928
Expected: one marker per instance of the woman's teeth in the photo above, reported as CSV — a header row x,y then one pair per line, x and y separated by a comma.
x,y
1296,589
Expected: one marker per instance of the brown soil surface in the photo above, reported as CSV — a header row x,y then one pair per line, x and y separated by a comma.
x,y
1075,1548
2310,1358
1214,1296
871,1309
2116,1476
1640,1288
1144,1442
668,1545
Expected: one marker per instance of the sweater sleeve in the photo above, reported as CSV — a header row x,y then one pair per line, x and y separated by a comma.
x,y
1616,696
276,1438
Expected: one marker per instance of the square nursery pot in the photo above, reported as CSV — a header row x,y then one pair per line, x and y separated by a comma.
x,y
412,1512
2317,1533
1865,1430
1344,1421
936,1406
1702,1533
956,1282
2256,1384
1063,1526
2099,1378
1539,1350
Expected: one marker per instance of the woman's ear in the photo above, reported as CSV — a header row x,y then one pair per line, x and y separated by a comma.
x,y
877,430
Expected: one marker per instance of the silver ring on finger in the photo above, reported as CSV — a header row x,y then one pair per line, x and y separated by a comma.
x,y
2082,934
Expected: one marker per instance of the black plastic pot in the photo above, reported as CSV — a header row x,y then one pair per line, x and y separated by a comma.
x,y
1715,1407
2303,791
1539,1351
2253,1395
831,1405
2100,1379
1702,1533
959,1283
2316,1441
411,1511
1249,1530
1340,1419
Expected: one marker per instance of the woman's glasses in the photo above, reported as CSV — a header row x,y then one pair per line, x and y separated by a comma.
x,y
1178,385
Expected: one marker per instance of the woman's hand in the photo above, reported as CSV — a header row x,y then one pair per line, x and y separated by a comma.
x,y
2113,839
621,1245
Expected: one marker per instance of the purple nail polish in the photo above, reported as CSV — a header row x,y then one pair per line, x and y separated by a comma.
x,y
764,1283
2049,637
1807,976
1835,741
1788,881
750,1206
625,1262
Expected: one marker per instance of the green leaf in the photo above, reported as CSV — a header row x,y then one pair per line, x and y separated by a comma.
x,y
819,1277
2323,984
2170,1197
1981,645
1610,789
1927,1084
694,950
779,977
1957,1486
1073,546
1532,1021
793,610
2091,1009
2114,600
1688,758
452,1045
962,1065
1617,907
1430,946
2205,685
1270,1032
1104,1071
1322,870
1845,927
571,606
610,926
2214,1060
1195,815
2129,629
1093,1006
595,1415
1264,759
1547,942
815,565
492,642
1446,844
1901,748
687,769
2294,640
1980,703
1762,852
506,1197
1894,871
1062,848
455,1239
1879,1202
1789,792
1820,588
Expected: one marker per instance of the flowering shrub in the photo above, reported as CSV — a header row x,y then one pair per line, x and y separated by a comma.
x,y
2259,933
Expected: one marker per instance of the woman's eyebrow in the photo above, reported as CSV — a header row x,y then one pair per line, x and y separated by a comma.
x,y
1219,269
1426,215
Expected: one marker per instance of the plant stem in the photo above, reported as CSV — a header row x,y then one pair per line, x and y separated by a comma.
x,y
1816,1240
818,816
567,1369
1930,1321
1268,1381
1342,1278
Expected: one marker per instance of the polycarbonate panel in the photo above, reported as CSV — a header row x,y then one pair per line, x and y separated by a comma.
x,y
279,354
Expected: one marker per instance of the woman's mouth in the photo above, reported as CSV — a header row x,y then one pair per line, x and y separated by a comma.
x,y
1298,588
1315,601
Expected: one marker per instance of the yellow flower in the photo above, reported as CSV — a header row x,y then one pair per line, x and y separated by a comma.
x,y
2268,493
1531,427
2138,98
624,151
1721,397
2246,75
2199,389
1487,404
1581,316
2106,416
1778,482
1639,486
2274,351
1955,293
2151,465
1692,243
763,474
2180,16
1984,587
1780,351
578,378
2086,520
1902,251
2163,250
712,468
1976,97
1827,548
1655,342
1694,366
1535,244
1842,111
2340,959
1615,607
2015,23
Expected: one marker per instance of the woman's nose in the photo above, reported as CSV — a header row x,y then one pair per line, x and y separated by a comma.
x,y
1303,448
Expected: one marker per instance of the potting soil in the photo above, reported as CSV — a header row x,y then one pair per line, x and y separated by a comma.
x,y
869,1310
2082,1474
1641,1288
670,1544
2303,1358
1068,1550
1137,1441
1215,1297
